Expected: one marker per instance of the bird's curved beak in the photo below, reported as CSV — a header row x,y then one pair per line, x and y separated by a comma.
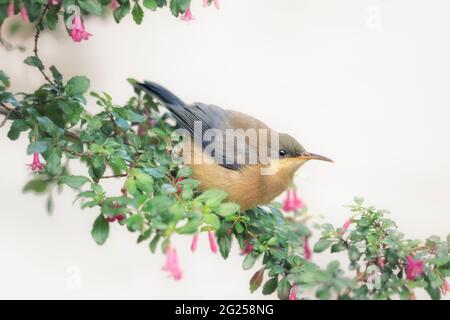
x,y
313,156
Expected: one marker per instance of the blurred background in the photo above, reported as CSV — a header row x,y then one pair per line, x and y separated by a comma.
x,y
364,82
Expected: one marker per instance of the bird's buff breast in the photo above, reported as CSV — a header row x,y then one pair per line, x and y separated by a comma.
x,y
247,186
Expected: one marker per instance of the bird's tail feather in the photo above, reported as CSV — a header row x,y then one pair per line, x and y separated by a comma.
x,y
170,100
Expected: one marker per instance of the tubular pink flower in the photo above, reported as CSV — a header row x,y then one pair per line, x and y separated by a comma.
x,y
212,242
445,288
381,262
187,16
24,13
36,164
11,8
292,202
54,2
307,249
194,243
78,32
217,4
114,4
413,268
345,226
205,3
293,294
172,264
247,249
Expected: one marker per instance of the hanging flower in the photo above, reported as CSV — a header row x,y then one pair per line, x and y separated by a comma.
x,y
413,268
114,4
381,262
307,249
293,293
194,243
187,16
24,13
172,265
54,2
212,242
78,32
445,288
11,8
345,226
36,165
292,202
247,249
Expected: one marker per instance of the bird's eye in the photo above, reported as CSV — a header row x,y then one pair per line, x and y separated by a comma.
x,y
283,153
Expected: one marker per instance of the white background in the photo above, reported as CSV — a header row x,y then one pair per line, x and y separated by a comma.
x,y
363,82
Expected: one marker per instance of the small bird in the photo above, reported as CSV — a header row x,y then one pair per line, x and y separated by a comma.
x,y
244,182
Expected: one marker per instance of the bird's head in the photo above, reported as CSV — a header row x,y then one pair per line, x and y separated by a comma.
x,y
292,155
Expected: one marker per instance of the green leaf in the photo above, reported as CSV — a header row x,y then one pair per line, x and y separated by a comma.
x,y
239,227
353,253
34,62
212,197
100,230
256,280
91,6
184,172
37,185
322,245
154,243
338,247
78,85
283,289
190,227
37,146
57,76
16,128
225,246
150,4
179,6
143,181
270,286
75,182
135,222
226,209
53,165
249,261
120,12
137,13
212,220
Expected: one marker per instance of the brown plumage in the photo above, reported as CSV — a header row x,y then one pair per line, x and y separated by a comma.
x,y
244,182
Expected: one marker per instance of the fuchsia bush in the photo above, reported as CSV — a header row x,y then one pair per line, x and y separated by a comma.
x,y
159,199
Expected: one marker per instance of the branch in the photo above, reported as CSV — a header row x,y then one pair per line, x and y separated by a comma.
x,y
7,111
39,28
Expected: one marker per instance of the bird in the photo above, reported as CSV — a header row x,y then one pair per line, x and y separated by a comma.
x,y
242,181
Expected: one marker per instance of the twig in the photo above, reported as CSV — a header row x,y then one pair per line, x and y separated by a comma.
x,y
39,28
117,176
6,118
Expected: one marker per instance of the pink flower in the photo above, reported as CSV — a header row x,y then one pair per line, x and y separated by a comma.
x,y
78,32
54,2
36,164
24,13
292,202
380,262
119,218
307,249
114,4
247,249
445,287
212,242
194,243
345,226
413,269
293,294
11,8
187,15
216,3
172,264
